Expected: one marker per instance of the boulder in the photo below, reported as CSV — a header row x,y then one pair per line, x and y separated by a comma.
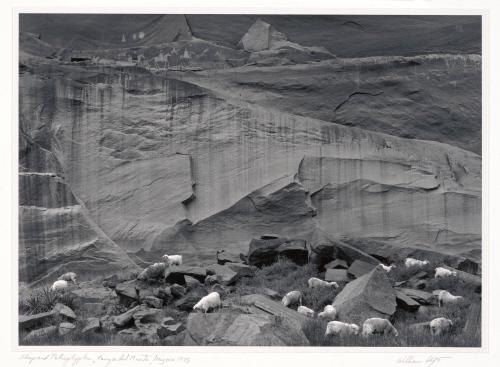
x,y
166,330
92,324
324,249
264,251
469,266
30,321
65,311
154,271
65,328
424,298
152,301
126,317
270,236
233,329
164,293
127,292
265,305
211,280
359,268
175,274
294,250
224,274
371,295
336,275
242,270
406,303
177,290
38,334
92,294
145,316
190,281
336,264
224,257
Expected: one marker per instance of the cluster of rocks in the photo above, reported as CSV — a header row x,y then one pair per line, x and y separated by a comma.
x,y
156,307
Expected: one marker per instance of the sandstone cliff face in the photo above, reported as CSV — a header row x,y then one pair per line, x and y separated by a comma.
x,y
117,160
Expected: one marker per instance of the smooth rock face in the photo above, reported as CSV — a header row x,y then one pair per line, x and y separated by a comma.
x,y
371,295
122,160
242,330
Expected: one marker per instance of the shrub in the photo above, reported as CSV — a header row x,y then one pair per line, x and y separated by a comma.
x,y
43,300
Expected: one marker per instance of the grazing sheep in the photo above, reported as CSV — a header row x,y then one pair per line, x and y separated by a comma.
x,y
69,277
387,268
59,285
409,262
443,273
440,326
377,325
316,283
341,328
291,298
329,313
172,259
210,301
445,297
305,311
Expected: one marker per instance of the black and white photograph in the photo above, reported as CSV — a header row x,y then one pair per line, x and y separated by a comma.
x,y
264,180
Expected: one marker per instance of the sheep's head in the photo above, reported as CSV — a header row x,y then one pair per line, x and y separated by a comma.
x,y
354,329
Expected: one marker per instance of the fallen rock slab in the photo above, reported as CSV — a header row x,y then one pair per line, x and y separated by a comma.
x,y
371,295
336,275
324,249
175,274
38,334
92,324
224,257
336,264
406,303
242,330
424,298
224,274
264,251
30,321
65,311
65,328
271,307
167,330
126,317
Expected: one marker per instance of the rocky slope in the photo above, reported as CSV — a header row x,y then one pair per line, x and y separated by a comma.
x,y
133,161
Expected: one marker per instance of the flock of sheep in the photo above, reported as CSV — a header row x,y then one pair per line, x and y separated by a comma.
x,y
370,326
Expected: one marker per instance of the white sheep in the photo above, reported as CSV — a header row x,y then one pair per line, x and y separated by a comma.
x,y
387,268
305,311
329,313
440,326
316,283
293,297
212,300
172,259
69,277
341,328
378,325
59,285
443,273
409,262
445,297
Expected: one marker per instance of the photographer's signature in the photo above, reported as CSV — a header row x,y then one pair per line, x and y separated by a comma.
x,y
427,361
